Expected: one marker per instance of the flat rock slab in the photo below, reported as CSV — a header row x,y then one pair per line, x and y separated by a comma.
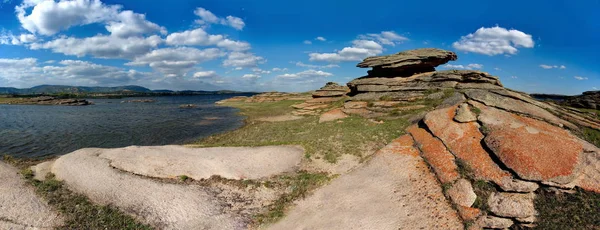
x,y
464,140
332,115
436,154
520,205
201,163
535,150
20,208
164,206
394,190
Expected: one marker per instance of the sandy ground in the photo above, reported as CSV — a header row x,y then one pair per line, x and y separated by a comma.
x,y
20,208
165,206
201,163
394,190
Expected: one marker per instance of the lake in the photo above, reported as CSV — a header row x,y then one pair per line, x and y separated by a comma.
x,y
38,130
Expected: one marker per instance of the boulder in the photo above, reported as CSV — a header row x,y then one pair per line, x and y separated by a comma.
x,y
494,222
407,63
462,193
519,205
332,115
464,114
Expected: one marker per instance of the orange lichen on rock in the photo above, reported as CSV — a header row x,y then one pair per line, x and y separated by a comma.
x,y
436,154
403,145
468,213
464,141
535,150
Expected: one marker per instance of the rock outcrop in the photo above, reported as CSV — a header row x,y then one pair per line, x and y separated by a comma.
x,y
478,130
588,100
321,100
48,100
266,97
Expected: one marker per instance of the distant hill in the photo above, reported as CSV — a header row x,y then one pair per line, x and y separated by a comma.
x,y
56,89
85,90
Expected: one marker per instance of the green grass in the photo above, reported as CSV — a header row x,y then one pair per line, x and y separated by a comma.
x,y
580,210
354,135
78,211
591,135
299,186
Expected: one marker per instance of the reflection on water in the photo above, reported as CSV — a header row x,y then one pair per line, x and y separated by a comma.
x,y
33,130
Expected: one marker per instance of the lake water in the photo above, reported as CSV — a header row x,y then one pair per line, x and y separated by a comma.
x,y
37,130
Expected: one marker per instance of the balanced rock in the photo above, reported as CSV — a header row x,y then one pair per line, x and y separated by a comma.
x,y
407,63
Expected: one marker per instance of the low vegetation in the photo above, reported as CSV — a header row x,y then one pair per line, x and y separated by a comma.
x,y
353,135
79,212
579,210
298,186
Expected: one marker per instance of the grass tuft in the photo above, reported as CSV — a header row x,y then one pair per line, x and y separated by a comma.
x,y
580,210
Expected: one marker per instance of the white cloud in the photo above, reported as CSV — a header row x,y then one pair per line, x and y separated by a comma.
x,y
305,75
279,69
365,46
176,62
205,74
242,59
493,41
386,38
307,42
130,24
580,78
101,46
260,71
202,38
497,69
360,50
469,66
26,72
207,18
552,66
7,38
513,77
300,64
321,39
251,76
51,17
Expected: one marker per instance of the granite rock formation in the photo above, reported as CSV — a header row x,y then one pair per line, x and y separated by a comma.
x,y
500,136
321,100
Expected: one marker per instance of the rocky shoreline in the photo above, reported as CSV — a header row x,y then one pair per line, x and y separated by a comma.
x,y
48,100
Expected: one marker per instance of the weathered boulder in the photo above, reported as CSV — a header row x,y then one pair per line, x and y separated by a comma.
x,y
464,114
512,204
533,149
407,63
494,222
462,193
332,115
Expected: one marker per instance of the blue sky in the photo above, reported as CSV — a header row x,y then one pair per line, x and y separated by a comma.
x,y
533,46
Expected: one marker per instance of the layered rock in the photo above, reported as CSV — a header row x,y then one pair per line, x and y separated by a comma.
x,y
482,131
267,97
322,100
408,62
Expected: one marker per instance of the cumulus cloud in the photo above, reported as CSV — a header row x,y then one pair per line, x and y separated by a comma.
x,y
242,59
129,24
51,17
365,46
279,69
494,41
390,38
7,38
101,46
205,74
27,72
207,18
202,38
307,42
176,62
300,64
320,39
580,78
543,66
305,75
251,76
469,66
260,71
